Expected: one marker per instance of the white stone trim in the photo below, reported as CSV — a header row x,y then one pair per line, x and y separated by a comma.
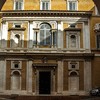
x,y
66,19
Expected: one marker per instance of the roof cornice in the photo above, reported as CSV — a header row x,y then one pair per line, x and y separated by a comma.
x,y
45,13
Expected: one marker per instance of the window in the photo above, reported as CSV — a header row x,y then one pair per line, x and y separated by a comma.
x,y
18,4
98,41
72,5
45,5
45,34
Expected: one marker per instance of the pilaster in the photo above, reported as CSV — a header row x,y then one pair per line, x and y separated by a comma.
x,y
4,34
30,35
60,77
29,76
86,36
2,75
60,35
87,75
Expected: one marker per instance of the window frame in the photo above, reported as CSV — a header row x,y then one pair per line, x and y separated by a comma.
x,y
45,42
22,4
73,2
45,2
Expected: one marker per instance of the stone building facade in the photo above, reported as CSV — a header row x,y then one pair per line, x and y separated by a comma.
x,y
49,47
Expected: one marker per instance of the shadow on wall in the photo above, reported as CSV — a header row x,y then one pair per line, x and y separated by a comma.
x,y
97,3
2,3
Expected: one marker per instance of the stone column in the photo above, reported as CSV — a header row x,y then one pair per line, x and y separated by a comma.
x,y
86,36
29,76
60,77
2,75
87,75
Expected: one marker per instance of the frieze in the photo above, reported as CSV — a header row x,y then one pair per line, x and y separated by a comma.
x,y
49,13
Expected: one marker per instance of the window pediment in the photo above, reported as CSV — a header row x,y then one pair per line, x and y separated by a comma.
x,y
72,29
17,29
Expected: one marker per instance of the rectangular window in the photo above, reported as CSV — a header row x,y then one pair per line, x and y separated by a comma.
x,y
98,41
18,5
45,5
72,5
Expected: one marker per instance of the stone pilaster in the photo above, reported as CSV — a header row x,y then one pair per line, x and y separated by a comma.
x,y
60,77
86,36
87,75
4,34
2,75
29,76
60,35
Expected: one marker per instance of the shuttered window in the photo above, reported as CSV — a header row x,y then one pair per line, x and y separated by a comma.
x,y
45,35
45,5
72,4
18,5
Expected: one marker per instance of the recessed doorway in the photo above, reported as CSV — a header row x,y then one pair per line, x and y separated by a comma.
x,y
45,82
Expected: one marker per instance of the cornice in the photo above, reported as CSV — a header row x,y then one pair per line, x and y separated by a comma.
x,y
45,13
50,55
72,29
17,29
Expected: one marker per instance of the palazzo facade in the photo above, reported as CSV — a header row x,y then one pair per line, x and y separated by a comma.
x,y
49,47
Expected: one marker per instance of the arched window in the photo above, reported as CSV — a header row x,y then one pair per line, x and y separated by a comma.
x,y
45,34
15,80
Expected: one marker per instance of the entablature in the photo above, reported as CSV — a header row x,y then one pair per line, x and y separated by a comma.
x,y
49,13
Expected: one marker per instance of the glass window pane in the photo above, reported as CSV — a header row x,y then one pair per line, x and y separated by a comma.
x,y
43,5
45,36
47,6
72,5
16,6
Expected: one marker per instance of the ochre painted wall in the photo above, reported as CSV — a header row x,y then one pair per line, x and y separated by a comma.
x,y
94,20
96,72
85,5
